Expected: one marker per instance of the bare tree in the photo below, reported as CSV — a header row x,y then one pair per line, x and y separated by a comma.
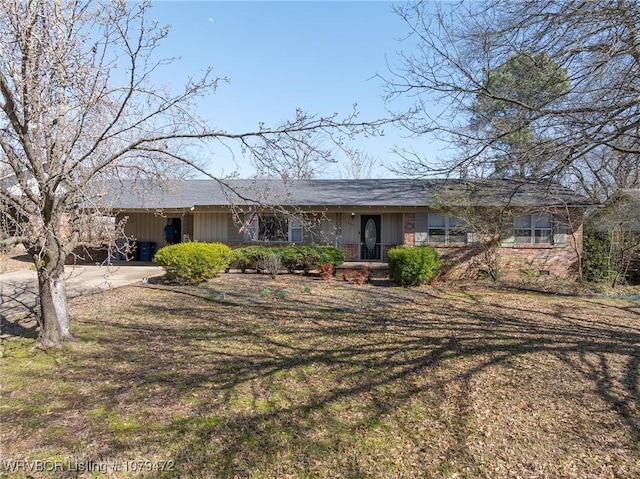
x,y
461,46
602,172
359,165
79,110
299,155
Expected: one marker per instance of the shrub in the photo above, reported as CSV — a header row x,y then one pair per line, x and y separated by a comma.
x,y
330,254
528,271
359,277
248,257
270,265
326,271
294,257
362,276
413,266
596,252
193,262
265,293
301,257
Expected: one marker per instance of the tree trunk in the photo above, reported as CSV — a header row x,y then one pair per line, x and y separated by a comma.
x,y
53,314
59,294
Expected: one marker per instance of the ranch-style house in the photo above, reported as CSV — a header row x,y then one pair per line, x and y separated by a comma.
x,y
523,224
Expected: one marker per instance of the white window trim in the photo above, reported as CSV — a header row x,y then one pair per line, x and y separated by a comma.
x,y
532,229
447,231
251,228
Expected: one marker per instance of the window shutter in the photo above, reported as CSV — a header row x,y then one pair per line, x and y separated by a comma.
x,y
421,229
508,230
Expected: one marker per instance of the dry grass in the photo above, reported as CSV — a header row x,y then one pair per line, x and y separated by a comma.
x,y
330,379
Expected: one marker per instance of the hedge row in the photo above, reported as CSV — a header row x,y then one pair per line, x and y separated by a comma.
x,y
294,258
196,262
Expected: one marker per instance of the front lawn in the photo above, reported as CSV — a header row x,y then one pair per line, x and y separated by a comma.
x,y
304,378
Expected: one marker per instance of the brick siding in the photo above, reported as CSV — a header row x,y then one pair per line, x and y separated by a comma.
x,y
410,229
351,252
514,261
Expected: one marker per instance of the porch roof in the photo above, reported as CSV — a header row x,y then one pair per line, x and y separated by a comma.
x,y
324,193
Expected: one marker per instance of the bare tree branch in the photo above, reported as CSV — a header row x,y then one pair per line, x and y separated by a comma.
x,y
79,109
460,45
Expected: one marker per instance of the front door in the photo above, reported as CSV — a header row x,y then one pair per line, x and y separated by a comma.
x,y
177,223
370,240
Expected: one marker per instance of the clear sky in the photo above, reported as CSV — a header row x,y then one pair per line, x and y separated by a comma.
x,y
321,57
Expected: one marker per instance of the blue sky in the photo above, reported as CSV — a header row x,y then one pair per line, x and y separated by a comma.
x,y
319,56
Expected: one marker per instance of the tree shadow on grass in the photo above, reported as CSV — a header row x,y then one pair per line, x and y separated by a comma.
x,y
307,386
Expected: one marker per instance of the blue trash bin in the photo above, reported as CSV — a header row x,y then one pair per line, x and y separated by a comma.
x,y
147,249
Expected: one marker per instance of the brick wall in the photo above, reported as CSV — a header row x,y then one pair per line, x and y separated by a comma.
x,y
351,252
515,261
553,260
410,229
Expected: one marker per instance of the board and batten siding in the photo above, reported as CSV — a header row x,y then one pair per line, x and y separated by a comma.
x,y
392,228
350,229
144,227
327,231
211,227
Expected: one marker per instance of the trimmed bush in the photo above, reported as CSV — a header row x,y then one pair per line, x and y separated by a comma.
x,y
248,257
294,257
330,254
193,262
413,266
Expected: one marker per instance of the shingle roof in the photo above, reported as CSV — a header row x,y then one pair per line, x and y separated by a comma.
x,y
322,192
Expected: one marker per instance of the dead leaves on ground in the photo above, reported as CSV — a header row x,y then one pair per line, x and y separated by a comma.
x,y
333,379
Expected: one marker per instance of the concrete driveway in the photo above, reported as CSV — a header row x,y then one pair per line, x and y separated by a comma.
x,y
18,290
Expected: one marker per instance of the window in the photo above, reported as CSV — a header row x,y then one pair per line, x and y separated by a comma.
x,y
295,231
250,227
439,229
271,227
456,233
533,229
